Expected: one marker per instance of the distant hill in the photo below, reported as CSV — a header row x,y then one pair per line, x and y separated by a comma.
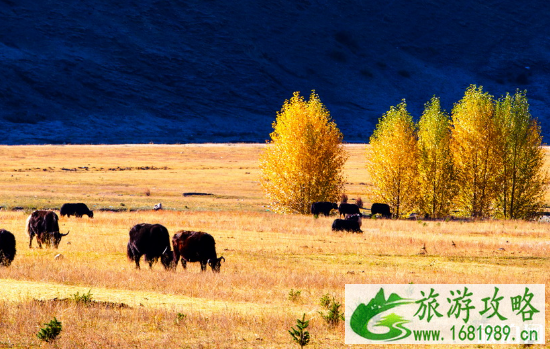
x,y
218,71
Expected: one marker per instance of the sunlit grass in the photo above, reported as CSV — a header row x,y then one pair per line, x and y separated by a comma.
x,y
267,255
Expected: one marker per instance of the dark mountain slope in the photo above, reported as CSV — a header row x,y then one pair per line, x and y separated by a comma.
x,y
213,71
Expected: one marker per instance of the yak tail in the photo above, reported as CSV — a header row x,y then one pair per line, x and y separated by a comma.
x,y
130,252
27,226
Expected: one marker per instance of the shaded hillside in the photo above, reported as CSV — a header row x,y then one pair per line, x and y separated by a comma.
x,y
212,71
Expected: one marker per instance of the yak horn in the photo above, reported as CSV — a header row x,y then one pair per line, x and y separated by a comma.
x,y
65,234
222,258
163,252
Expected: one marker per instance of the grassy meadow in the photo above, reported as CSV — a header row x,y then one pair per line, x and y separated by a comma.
x,y
277,266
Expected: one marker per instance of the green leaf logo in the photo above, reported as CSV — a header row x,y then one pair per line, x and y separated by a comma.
x,y
360,318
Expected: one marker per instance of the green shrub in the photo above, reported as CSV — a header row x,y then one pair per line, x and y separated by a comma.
x,y
84,298
325,301
294,295
334,315
299,335
50,331
180,317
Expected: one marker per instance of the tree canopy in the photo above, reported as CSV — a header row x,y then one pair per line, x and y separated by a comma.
x,y
485,160
303,162
393,160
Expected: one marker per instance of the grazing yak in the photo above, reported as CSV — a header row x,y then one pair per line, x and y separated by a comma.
x,y
151,240
347,209
77,210
323,207
351,223
45,225
383,209
7,247
196,246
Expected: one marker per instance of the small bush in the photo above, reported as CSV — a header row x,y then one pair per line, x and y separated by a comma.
x,y
294,295
299,335
325,301
84,298
334,315
180,317
50,331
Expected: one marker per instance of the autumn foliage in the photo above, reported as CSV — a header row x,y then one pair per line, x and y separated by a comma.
x,y
476,146
485,160
522,181
393,160
437,185
304,160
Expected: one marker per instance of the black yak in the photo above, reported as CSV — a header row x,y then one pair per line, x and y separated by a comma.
x,y
383,209
346,209
7,247
323,207
45,226
151,240
351,223
77,210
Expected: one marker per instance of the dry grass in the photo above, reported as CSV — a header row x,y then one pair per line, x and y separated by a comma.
x,y
247,305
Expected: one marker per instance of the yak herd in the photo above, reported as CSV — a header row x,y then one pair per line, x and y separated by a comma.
x,y
351,212
153,240
149,240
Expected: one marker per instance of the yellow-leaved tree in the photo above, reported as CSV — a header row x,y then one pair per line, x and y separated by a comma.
x,y
477,147
303,163
437,180
523,180
392,161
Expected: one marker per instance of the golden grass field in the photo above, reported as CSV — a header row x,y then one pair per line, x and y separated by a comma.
x,y
267,255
